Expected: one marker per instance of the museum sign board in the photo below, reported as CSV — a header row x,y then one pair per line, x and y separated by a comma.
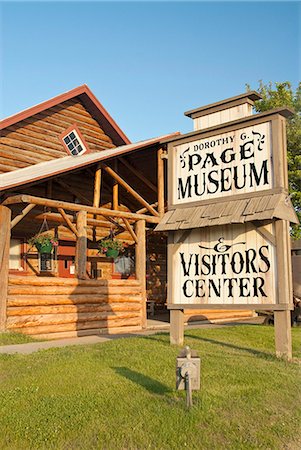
x,y
235,264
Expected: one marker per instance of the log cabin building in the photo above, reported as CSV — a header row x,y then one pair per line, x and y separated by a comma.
x,y
68,170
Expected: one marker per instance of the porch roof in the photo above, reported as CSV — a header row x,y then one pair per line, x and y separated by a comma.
x,y
68,163
262,207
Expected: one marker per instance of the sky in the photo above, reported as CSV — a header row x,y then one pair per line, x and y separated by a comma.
x,y
146,62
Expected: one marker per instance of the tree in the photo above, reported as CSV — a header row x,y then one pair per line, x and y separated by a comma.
x,y
282,94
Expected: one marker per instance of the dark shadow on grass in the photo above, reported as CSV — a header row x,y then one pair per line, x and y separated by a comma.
x,y
233,346
151,385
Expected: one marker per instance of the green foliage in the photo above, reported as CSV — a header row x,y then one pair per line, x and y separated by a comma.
x,y
43,239
121,395
283,95
110,244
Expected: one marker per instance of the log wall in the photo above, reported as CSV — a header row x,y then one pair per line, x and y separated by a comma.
x,y
48,307
36,139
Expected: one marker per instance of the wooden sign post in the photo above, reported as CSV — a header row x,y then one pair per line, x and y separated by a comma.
x,y
228,221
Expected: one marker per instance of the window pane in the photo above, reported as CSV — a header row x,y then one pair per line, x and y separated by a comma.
x,y
74,152
71,147
75,142
67,140
72,135
79,148
125,265
15,254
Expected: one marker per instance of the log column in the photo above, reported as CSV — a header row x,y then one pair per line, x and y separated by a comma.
x,y
81,245
115,200
141,264
160,181
97,187
5,218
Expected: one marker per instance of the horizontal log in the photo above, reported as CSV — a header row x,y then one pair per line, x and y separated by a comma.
x,y
64,122
33,131
30,147
12,153
77,107
66,309
81,326
89,332
4,168
58,319
78,207
77,117
45,300
58,281
17,164
96,147
47,128
30,139
59,290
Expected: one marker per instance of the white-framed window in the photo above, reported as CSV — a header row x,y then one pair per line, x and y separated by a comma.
x,y
15,255
73,143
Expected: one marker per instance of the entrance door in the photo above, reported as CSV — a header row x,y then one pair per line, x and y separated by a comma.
x,y
66,259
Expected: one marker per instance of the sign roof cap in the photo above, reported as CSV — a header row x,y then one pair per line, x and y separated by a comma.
x,y
247,97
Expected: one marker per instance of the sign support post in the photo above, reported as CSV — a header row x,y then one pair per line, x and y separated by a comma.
x,y
177,326
282,319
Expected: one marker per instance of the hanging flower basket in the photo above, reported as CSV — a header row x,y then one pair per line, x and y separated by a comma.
x,y
110,247
44,243
112,253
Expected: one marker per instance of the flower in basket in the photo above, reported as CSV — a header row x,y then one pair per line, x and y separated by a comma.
x,y
110,247
44,243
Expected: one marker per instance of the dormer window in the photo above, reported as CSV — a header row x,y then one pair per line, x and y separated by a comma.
x,y
73,142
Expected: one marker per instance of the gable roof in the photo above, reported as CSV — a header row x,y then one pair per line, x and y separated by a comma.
x,y
266,206
89,100
68,163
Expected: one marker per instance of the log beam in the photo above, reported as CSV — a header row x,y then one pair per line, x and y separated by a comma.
x,y
129,189
20,216
138,174
72,191
144,210
130,230
77,207
68,222
81,245
54,217
5,216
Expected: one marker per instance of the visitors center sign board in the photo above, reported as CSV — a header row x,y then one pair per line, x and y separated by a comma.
x,y
229,264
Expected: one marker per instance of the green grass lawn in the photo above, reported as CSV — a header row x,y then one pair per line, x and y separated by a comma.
x,y
15,338
121,395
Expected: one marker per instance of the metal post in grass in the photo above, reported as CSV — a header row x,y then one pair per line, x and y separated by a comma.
x,y
188,373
